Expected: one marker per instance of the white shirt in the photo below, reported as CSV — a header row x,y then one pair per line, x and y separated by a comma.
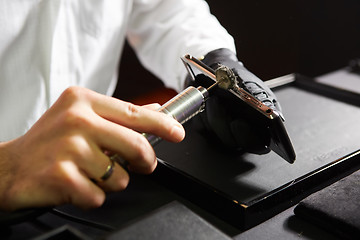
x,y
49,45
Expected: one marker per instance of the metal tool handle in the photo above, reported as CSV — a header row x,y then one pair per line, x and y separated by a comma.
x,y
182,107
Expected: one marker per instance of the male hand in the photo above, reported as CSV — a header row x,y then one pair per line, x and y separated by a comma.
x,y
62,157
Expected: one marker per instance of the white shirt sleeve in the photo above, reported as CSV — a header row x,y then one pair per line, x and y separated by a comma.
x,y
161,31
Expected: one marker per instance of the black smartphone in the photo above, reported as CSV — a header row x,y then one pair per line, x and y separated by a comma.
x,y
265,117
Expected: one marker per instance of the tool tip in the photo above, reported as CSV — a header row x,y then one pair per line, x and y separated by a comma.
x,y
225,77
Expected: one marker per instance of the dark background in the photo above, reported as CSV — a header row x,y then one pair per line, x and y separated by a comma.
x,y
273,38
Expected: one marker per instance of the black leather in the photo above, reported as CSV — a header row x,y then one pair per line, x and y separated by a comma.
x,y
247,80
225,120
335,208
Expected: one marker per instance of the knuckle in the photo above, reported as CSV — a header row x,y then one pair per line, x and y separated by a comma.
x,y
73,93
60,172
74,118
132,111
72,146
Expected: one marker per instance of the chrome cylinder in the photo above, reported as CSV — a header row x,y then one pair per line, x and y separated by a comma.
x,y
182,107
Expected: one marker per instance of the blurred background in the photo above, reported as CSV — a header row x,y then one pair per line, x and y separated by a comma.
x,y
273,38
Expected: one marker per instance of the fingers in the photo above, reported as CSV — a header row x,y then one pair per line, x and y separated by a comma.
x,y
138,118
80,190
117,181
152,106
60,184
115,125
129,144
120,125
97,164
64,150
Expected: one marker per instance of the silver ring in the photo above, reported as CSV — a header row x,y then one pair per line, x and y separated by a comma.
x,y
109,170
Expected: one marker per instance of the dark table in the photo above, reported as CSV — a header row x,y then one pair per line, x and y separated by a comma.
x,y
150,208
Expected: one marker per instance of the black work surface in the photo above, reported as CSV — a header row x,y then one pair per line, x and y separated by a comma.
x,y
173,221
245,189
322,129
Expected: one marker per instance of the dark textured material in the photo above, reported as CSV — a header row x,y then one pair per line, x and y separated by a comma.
x,y
336,208
227,117
173,221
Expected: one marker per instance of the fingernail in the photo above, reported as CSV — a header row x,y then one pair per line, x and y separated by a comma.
x,y
178,132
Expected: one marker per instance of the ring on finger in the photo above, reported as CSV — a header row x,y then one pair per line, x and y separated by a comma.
x,y
109,170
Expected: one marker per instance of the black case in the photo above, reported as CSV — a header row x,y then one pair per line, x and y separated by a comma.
x,y
246,189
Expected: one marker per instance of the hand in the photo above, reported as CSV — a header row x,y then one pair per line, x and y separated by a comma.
x,y
58,159
230,122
